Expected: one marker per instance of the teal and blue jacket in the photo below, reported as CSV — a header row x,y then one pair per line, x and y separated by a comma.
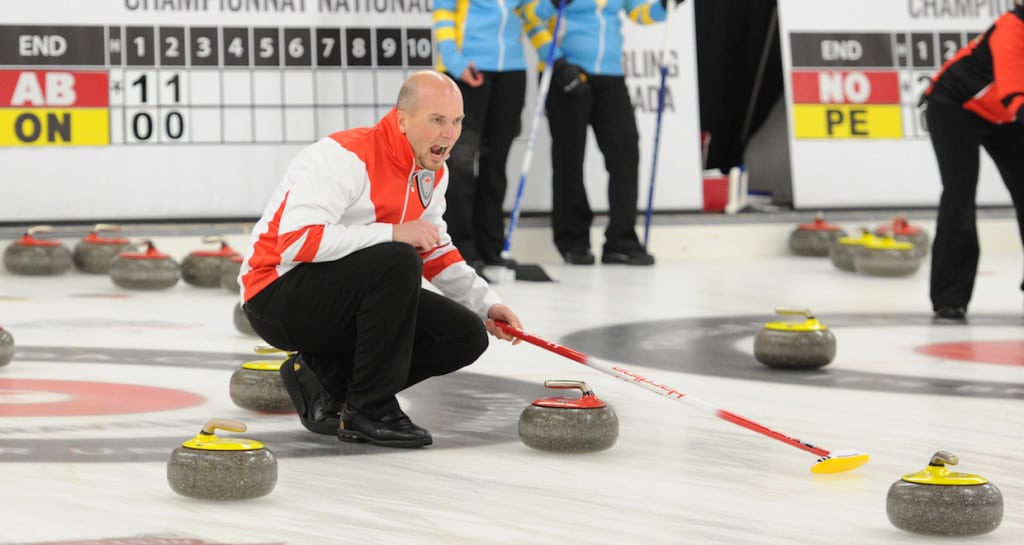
x,y
487,32
590,32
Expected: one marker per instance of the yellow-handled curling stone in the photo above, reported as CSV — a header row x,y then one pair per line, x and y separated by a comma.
x,y
209,467
148,269
795,345
34,256
814,239
256,385
886,256
936,501
94,252
203,268
6,346
844,250
569,424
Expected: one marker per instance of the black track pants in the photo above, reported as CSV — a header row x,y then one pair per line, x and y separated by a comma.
x,y
957,136
368,324
477,166
606,107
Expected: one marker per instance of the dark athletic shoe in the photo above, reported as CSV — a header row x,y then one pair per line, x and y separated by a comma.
x,y
318,410
394,429
950,314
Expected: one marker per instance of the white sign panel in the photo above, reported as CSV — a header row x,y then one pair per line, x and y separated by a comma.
x,y
854,73
176,109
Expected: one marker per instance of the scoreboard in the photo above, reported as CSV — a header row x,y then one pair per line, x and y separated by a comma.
x,y
854,75
116,110
203,84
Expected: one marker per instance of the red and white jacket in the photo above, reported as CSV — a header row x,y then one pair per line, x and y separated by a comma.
x,y
344,193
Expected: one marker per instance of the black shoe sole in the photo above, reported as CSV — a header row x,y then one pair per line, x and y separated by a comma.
x,y
353,436
291,385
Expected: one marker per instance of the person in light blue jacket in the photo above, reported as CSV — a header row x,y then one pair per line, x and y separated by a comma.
x,y
588,88
480,46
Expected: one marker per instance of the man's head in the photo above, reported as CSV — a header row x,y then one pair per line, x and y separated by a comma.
x,y
430,115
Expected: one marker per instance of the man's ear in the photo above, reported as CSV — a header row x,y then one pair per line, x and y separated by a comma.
x,y
402,120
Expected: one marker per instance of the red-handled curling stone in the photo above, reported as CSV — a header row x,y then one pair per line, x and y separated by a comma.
x,y
6,346
203,268
561,424
900,229
208,467
229,274
936,501
795,345
34,256
814,239
148,269
256,385
94,252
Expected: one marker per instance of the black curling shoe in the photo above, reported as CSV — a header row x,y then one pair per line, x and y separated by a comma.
x,y
318,411
394,429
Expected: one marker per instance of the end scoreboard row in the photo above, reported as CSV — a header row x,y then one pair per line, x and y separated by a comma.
x,y
215,47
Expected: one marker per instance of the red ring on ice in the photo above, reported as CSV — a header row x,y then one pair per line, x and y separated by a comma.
x,y
999,352
80,398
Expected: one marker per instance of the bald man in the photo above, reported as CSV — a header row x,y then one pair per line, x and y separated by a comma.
x,y
335,267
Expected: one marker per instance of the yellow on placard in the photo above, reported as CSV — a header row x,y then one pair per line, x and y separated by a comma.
x,y
54,127
847,121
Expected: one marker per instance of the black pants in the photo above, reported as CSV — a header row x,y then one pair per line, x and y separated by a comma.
x,y
477,166
368,324
957,135
607,108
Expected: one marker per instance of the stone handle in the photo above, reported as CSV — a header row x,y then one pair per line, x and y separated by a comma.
x,y
942,458
222,424
105,227
569,384
788,310
39,229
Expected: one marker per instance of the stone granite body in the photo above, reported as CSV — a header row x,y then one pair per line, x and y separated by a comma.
x,y
259,390
145,273
6,347
222,474
568,429
41,260
944,510
203,271
96,258
794,349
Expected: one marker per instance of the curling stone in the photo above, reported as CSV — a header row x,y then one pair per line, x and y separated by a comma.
x,y
6,346
843,251
938,502
149,269
94,253
208,467
902,230
583,424
814,239
256,385
241,322
229,273
886,256
34,256
795,345
203,268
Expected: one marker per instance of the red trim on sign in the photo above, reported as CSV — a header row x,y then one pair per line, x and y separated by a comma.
x,y
999,352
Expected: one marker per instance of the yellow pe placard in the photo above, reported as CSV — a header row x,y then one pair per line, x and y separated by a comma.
x,y
828,121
